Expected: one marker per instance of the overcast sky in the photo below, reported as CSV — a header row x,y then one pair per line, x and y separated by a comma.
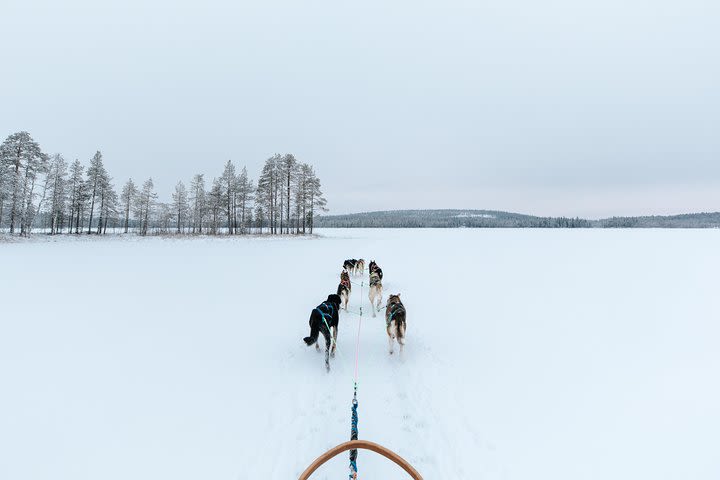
x,y
590,108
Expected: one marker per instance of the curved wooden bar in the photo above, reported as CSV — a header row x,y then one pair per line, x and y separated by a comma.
x,y
365,445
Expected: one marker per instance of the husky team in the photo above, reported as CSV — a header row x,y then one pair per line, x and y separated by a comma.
x,y
324,318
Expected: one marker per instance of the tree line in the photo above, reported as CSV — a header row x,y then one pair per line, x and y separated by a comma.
x,y
496,219
44,191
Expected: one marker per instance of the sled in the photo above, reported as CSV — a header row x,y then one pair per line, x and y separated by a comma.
x,y
365,445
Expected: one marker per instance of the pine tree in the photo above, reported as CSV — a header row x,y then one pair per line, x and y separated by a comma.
x,y
316,201
96,179
58,193
288,170
22,160
244,195
216,200
180,205
302,194
127,198
264,196
198,201
145,205
77,195
228,187
108,203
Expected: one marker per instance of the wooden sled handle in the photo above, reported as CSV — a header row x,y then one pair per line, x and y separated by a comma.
x,y
365,445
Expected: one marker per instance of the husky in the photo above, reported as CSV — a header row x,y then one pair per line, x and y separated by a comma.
x,y
376,290
344,288
350,265
395,321
325,319
373,267
360,267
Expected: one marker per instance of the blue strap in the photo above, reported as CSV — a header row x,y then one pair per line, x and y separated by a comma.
x,y
354,436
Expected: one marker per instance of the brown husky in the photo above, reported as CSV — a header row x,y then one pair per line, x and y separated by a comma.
x,y
344,288
395,321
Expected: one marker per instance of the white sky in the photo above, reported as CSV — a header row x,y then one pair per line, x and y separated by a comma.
x,y
590,108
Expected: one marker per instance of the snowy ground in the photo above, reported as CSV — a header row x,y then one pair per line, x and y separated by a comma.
x,y
531,354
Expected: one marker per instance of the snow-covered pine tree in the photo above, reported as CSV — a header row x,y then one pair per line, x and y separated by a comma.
x,y
96,179
316,200
244,196
288,170
58,193
227,180
22,160
265,193
110,208
304,181
166,217
198,202
106,196
127,200
76,186
216,200
180,206
144,205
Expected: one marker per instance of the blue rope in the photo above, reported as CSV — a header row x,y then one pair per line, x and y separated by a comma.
x,y
354,436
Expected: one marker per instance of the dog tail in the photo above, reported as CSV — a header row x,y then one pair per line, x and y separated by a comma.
x,y
400,328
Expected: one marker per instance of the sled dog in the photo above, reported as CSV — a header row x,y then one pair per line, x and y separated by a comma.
x,y
350,265
395,321
373,267
375,294
344,288
324,319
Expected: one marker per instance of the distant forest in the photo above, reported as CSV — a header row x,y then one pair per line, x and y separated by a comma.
x,y
41,191
497,219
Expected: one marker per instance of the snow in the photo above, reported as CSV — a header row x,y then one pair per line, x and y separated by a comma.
x,y
543,354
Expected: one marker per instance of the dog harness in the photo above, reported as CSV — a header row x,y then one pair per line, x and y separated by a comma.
x,y
393,311
374,279
326,310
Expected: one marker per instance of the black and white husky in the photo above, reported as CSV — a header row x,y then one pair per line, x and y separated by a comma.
x,y
395,321
350,265
376,292
325,319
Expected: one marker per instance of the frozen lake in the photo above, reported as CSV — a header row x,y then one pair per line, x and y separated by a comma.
x,y
531,354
